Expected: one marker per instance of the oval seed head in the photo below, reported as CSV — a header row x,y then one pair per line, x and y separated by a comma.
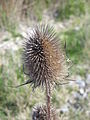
x,y
43,56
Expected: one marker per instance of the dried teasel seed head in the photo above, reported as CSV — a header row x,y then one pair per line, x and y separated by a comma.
x,y
40,113
44,58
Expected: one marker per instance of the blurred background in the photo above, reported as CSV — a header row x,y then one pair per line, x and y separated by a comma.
x,y
71,19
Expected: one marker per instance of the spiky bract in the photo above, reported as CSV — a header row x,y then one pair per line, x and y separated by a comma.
x,y
43,56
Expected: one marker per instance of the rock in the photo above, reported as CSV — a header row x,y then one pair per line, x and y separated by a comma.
x,y
88,79
64,109
80,82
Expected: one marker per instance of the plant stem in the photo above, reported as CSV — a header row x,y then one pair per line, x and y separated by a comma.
x,y
48,93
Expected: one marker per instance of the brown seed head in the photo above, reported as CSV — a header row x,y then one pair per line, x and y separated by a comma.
x,y
43,56
40,113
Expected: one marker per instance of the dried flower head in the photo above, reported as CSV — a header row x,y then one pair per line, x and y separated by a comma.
x,y
40,113
43,56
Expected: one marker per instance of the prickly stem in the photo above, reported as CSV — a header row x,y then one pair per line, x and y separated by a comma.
x,y
48,94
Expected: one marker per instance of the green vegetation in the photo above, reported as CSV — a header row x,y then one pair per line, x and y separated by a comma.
x,y
8,24
71,8
17,103
75,43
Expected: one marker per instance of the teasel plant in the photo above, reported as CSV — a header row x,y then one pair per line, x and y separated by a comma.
x,y
44,60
